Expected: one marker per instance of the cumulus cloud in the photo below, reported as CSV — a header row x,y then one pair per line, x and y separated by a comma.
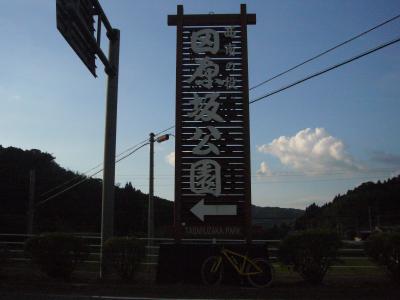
x,y
311,151
170,158
264,170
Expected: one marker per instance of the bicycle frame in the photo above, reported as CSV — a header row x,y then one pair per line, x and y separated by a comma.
x,y
239,262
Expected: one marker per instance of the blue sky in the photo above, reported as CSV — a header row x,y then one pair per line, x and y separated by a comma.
x,y
308,143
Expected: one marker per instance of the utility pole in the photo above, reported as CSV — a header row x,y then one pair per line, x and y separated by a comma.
x,y
107,215
31,203
75,21
110,138
150,219
370,218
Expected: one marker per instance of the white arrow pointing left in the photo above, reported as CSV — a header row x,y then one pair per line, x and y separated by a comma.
x,y
200,210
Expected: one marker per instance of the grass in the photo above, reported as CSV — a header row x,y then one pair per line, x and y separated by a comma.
x,y
340,283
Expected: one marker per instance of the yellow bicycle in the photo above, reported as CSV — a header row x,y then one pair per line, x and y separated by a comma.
x,y
259,271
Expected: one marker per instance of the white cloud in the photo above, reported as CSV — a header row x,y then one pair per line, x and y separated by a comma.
x,y
264,170
170,158
311,151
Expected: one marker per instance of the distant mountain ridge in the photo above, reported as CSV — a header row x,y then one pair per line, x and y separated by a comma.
x,y
362,208
79,209
267,217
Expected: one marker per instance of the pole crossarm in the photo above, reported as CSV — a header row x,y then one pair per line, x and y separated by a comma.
x,y
217,20
103,17
95,43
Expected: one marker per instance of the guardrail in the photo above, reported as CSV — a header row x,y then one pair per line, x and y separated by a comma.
x,y
352,255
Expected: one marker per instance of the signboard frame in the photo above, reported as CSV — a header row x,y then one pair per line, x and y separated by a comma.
x,y
180,20
75,22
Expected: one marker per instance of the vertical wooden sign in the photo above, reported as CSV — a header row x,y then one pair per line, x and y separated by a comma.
x,y
212,148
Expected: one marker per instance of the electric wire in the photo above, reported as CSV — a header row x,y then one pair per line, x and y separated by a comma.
x,y
165,130
97,166
327,69
376,177
370,51
88,171
87,178
325,52
100,164
321,72
281,174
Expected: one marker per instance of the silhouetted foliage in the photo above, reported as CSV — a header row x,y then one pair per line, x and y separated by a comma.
x,y
56,254
270,217
310,253
384,248
370,202
77,210
123,255
276,232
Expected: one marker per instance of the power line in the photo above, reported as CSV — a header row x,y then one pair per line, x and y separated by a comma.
x,y
317,180
88,171
287,181
85,179
99,165
321,72
327,70
290,173
165,130
67,189
324,52
130,153
268,95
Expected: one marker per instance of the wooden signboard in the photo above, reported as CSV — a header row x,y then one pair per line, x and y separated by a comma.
x,y
212,150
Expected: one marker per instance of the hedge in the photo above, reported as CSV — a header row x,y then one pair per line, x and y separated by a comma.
x,y
56,254
310,253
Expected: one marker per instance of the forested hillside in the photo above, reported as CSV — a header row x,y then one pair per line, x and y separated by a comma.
x,y
78,209
273,216
366,206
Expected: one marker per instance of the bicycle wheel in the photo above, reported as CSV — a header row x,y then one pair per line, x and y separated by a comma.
x,y
212,270
263,278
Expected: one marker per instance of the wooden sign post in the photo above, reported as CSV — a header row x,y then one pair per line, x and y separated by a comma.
x,y
212,150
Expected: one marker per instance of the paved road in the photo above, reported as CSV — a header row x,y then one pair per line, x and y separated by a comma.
x,y
78,297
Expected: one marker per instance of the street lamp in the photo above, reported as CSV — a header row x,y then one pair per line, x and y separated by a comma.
x,y
150,219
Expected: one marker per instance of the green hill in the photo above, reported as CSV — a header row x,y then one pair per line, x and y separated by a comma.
x,y
366,206
79,209
268,217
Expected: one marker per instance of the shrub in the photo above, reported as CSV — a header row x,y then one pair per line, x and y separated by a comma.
x,y
56,254
384,248
123,255
310,253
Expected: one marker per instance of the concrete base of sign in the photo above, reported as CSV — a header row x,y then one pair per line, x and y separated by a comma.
x,y
181,263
